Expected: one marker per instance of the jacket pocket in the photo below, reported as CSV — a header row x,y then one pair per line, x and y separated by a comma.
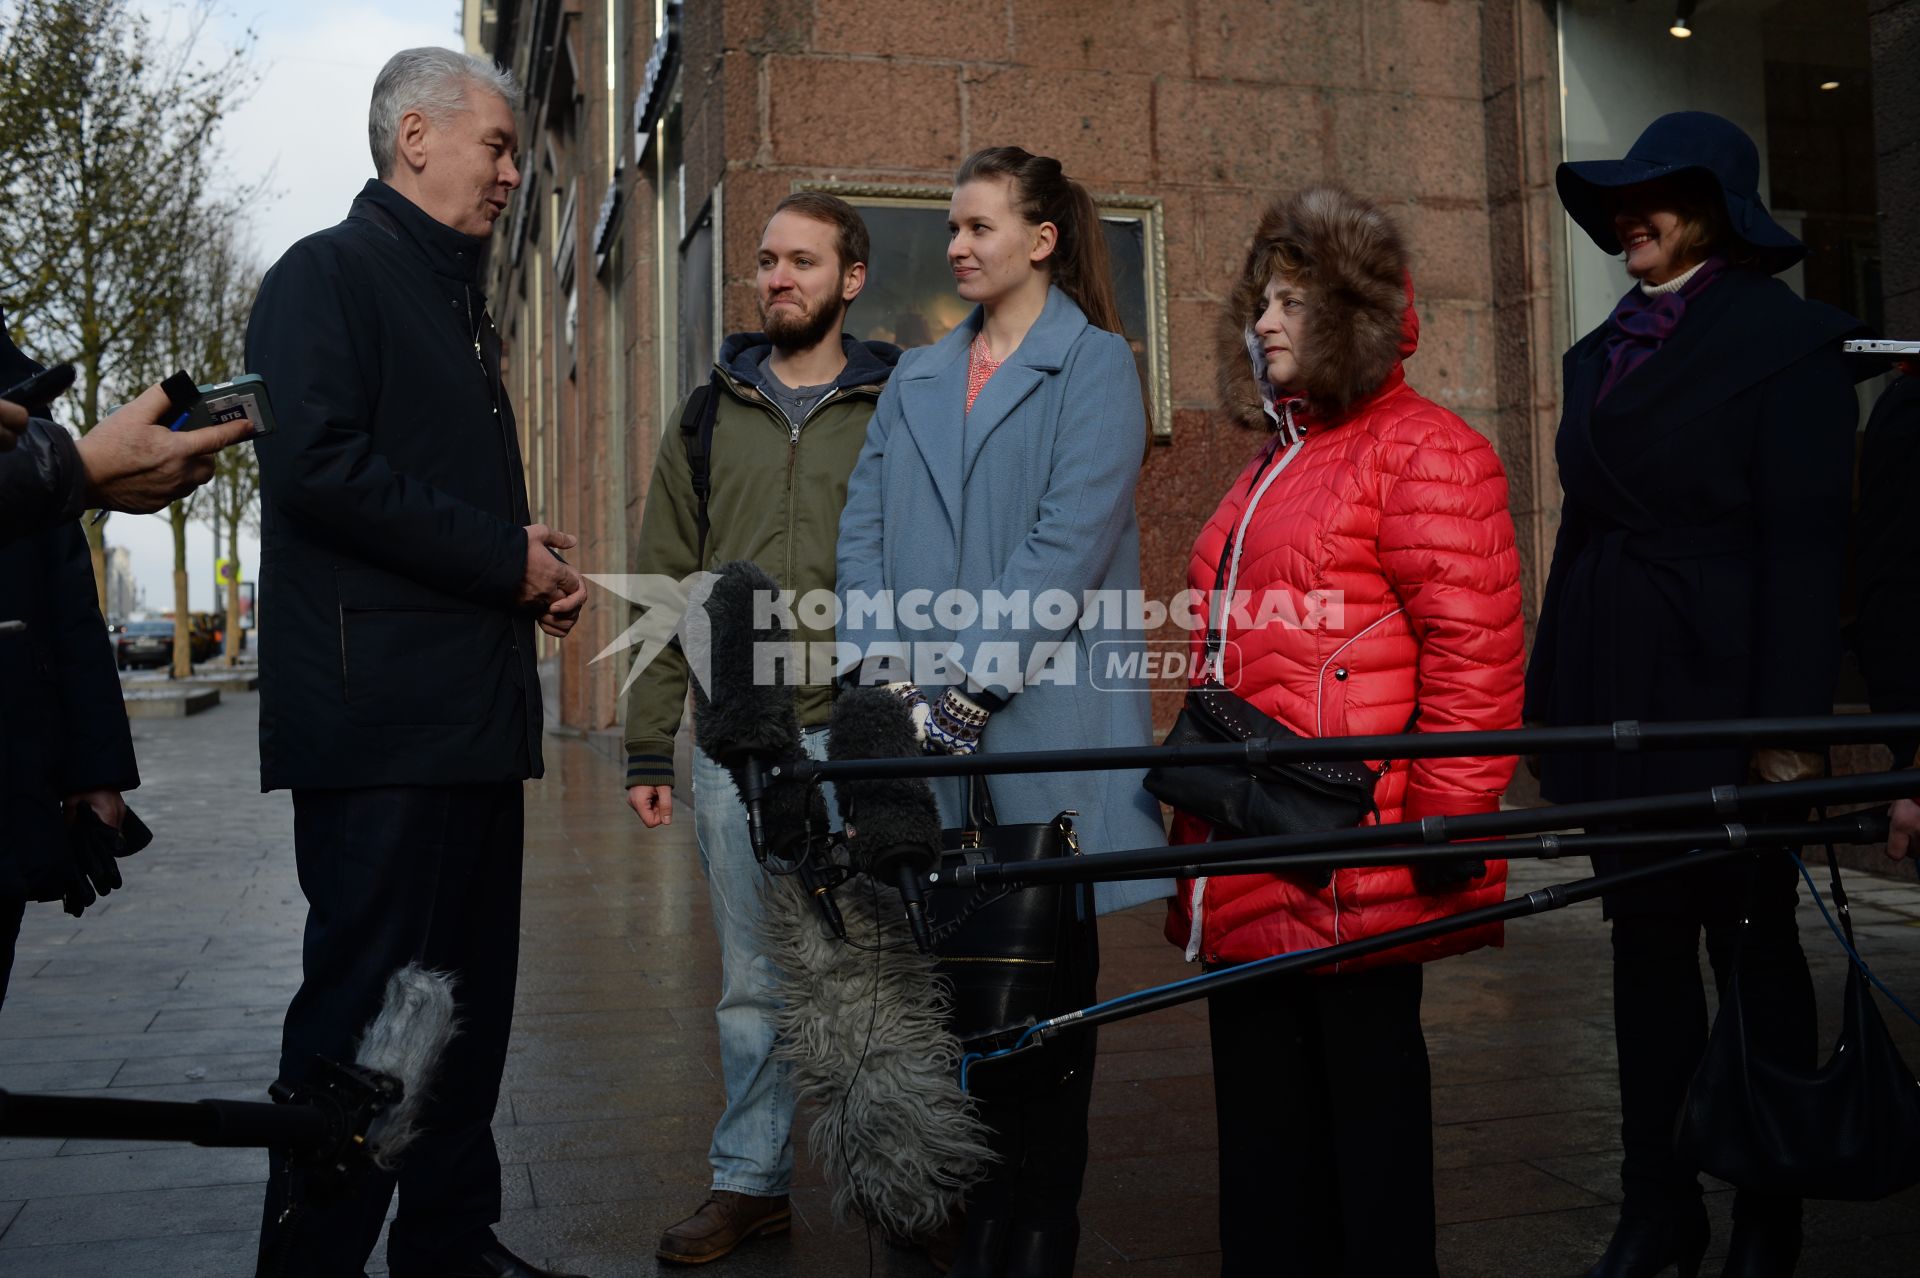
x,y
412,655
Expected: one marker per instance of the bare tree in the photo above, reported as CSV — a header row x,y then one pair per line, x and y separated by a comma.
x,y
107,130
204,326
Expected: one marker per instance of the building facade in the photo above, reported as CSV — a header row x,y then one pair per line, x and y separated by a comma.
x,y
657,136
124,600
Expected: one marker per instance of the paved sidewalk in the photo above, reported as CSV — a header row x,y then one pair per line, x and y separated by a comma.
x,y
175,988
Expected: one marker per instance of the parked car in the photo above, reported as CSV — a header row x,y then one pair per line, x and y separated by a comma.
x,y
144,643
209,635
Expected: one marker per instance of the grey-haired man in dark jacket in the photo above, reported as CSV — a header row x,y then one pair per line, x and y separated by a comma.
x,y
399,699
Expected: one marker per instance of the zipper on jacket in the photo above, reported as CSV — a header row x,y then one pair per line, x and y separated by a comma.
x,y
750,394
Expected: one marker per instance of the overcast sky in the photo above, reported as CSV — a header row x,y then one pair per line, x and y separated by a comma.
x,y
305,129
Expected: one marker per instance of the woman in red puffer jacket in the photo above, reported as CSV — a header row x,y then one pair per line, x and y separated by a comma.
x,y
1375,583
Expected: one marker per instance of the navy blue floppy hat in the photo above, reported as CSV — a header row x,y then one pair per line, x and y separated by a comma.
x,y
1682,142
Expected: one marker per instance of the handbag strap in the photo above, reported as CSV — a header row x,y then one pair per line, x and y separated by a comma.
x,y
1839,893
979,812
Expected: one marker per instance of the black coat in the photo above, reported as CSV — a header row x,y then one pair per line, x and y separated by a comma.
x,y
1702,550
63,726
1887,539
392,509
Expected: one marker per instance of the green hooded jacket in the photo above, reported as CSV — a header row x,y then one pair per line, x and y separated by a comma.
x,y
774,496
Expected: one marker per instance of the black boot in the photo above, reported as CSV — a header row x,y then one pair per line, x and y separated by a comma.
x,y
983,1248
1643,1246
1764,1245
1042,1251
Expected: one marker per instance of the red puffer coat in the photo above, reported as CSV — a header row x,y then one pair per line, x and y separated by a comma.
x,y
1383,557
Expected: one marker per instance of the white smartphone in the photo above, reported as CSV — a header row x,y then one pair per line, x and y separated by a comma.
x,y
1880,346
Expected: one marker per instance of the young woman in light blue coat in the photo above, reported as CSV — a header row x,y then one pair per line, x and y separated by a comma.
x,y
1000,466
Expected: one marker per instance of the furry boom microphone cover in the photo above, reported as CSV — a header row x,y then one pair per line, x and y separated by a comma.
x,y
867,1035
736,714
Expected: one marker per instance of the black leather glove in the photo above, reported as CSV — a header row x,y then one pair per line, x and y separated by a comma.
x,y
93,849
1436,878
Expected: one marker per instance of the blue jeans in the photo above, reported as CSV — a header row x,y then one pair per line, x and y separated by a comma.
x,y
752,1150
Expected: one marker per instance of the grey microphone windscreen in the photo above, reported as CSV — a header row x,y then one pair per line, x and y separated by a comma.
x,y
405,1040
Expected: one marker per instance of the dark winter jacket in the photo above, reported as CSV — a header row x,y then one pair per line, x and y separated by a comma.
x,y
41,482
393,509
1701,556
1888,540
775,498
63,727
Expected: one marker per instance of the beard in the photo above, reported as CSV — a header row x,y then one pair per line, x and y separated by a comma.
x,y
805,330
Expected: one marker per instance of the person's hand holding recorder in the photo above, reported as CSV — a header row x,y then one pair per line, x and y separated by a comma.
x,y
135,464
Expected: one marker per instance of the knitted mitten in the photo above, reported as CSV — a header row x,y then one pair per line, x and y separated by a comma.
x,y
955,724
917,708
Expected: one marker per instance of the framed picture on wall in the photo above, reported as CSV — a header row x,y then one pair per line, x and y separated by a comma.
x,y
910,299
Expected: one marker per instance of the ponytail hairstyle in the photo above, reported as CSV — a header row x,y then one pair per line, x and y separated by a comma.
x,y
1042,193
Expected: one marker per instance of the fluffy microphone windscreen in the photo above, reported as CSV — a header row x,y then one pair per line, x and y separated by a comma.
x,y
880,815
735,714
872,1054
405,1040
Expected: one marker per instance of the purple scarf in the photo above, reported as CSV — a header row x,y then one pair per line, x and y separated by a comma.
x,y
1641,324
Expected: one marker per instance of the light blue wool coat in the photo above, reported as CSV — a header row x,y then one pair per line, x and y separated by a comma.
x,y
1032,491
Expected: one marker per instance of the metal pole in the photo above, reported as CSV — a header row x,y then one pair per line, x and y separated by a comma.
x,y
1862,827
251,1124
1539,901
1721,803
1625,736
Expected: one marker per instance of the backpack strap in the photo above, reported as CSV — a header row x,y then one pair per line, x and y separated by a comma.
x,y
696,428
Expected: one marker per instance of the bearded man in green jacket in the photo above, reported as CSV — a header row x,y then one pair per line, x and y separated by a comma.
x,y
788,409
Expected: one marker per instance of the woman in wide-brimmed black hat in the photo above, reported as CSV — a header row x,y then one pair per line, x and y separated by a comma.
x,y
1706,452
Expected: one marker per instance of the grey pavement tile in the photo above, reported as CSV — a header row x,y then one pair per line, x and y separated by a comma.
x,y
7,1213
57,1076
231,1067
178,1166
667,1093
1178,1221
57,1017
23,1147
1556,1243
681,1175
1513,1098
94,1047
1597,1173
1486,1191
265,1019
221,1255
1529,1138
605,1137
150,1213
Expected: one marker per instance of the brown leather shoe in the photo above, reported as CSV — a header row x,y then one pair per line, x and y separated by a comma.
x,y
723,1222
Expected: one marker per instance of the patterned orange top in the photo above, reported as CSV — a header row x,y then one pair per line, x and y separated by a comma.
x,y
980,366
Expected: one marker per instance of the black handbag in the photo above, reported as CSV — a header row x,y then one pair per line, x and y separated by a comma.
x,y
1256,799
1012,955
1252,799
1850,1130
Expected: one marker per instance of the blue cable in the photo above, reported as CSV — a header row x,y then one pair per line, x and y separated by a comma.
x,y
1846,945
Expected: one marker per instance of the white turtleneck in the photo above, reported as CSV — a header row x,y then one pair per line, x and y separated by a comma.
x,y
1673,285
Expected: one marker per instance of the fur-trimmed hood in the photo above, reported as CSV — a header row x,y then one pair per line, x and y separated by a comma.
x,y
1354,269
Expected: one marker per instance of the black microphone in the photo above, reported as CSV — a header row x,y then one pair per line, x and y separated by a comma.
x,y
750,728
892,826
